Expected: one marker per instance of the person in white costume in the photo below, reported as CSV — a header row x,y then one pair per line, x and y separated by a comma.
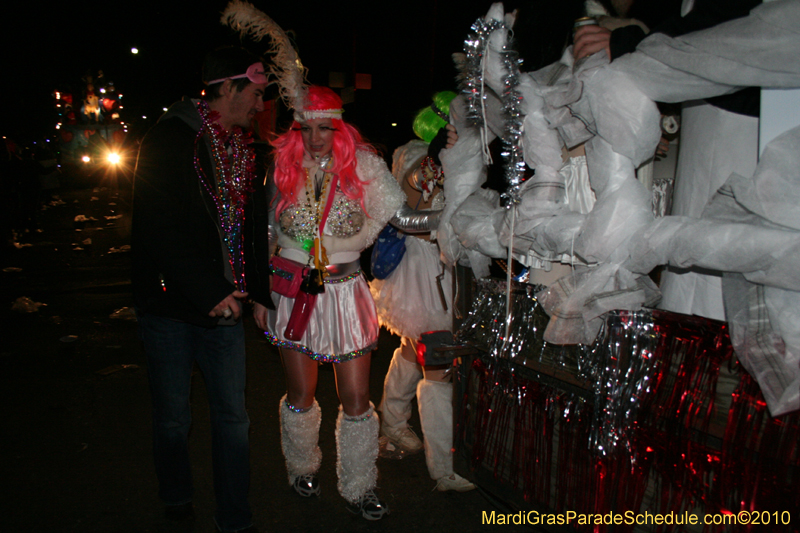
x,y
706,159
416,297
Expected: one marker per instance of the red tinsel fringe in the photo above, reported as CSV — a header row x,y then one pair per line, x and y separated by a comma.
x,y
535,437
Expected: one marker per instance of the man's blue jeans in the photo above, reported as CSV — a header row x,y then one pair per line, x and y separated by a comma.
x,y
172,348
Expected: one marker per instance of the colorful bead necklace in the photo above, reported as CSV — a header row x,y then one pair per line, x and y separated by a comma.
x,y
315,247
433,176
234,169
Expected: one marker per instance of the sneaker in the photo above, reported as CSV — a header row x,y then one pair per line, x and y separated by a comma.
x,y
454,482
369,506
403,438
306,485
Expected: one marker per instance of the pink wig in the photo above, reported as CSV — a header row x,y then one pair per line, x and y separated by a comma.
x,y
289,151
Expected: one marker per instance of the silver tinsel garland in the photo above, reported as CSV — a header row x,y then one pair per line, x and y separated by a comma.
x,y
473,87
617,369
472,84
620,366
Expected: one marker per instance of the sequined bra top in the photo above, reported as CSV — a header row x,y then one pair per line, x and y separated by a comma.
x,y
345,219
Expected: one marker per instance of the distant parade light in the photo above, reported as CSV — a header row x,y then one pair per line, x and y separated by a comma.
x,y
86,159
113,158
394,124
164,109
134,50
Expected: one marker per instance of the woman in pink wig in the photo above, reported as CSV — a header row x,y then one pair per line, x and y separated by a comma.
x,y
333,195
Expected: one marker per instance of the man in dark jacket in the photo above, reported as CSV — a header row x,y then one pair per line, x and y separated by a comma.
x,y
190,235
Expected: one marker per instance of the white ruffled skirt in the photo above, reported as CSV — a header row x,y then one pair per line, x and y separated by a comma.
x,y
408,299
343,324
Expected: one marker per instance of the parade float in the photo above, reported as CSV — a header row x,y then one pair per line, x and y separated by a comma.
x,y
580,397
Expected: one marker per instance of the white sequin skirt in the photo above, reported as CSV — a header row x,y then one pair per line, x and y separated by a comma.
x,y
343,324
408,299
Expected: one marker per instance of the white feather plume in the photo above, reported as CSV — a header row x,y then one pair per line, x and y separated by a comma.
x,y
287,69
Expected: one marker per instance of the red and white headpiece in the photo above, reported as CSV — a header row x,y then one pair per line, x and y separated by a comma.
x,y
315,101
311,114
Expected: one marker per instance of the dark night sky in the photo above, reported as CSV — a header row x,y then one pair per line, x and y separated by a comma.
x,y
405,46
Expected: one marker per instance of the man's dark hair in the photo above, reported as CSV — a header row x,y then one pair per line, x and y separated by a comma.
x,y
224,63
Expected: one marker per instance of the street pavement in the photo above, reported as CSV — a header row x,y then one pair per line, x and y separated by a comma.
x,y
76,436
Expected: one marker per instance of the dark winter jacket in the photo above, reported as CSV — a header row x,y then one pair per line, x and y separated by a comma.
x,y
180,266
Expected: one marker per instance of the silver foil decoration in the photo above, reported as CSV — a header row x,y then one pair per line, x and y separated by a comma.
x,y
485,328
410,220
472,84
505,360
475,48
617,370
513,157
620,366
662,197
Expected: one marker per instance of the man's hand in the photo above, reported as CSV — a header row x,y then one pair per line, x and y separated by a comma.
x,y
591,39
452,136
260,314
229,306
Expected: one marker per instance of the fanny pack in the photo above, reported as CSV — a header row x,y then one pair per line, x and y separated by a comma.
x,y
287,276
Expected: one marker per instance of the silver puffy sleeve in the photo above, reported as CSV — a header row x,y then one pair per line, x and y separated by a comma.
x,y
413,221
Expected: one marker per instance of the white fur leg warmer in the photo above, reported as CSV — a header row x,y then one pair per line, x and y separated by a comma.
x,y
357,451
299,439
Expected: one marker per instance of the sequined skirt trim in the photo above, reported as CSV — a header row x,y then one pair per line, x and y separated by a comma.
x,y
324,358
